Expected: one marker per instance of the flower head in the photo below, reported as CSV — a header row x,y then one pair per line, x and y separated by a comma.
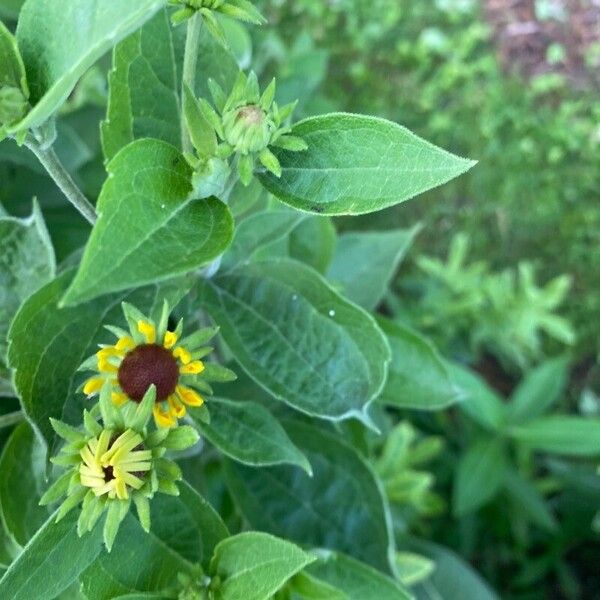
x,y
115,461
248,123
242,10
149,354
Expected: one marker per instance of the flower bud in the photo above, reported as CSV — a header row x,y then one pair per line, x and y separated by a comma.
x,y
248,128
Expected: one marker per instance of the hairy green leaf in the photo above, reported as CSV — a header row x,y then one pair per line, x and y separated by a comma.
x,y
357,164
365,262
61,41
254,565
340,504
52,560
149,228
356,579
145,83
249,433
22,483
418,376
298,338
313,242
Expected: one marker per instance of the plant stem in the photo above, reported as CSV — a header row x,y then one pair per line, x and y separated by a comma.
x,y
190,61
63,180
11,419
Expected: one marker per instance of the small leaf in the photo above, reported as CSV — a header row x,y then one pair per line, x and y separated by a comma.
x,y
365,262
561,434
418,376
479,476
149,228
53,66
413,568
253,566
201,133
248,432
356,164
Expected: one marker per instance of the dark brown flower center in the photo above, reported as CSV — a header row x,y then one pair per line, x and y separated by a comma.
x,y
108,474
146,365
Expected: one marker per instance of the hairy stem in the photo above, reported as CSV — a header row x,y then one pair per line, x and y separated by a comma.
x,y
11,418
190,61
63,180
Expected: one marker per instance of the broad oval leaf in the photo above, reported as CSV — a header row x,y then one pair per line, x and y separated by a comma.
x,y
298,338
52,560
149,228
357,164
342,503
23,460
249,433
561,434
480,475
91,28
145,83
418,376
357,580
254,565
138,562
47,344
365,261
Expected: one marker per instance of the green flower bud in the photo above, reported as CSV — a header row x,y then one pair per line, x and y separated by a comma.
x,y
248,128
13,105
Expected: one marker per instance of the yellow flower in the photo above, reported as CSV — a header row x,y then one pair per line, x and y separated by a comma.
x,y
112,467
151,354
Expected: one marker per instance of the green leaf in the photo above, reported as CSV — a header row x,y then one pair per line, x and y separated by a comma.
x,y
341,504
52,560
540,389
480,402
529,500
418,376
22,482
149,228
413,568
12,70
313,242
356,579
365,262
257,231
54,66
253,566
357,164
145,83
26,263
479,476
138,562
452,578
249,433
9,9
561,434
308,587
299,339
47,345
188,524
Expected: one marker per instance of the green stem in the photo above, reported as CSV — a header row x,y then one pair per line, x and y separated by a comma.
x,y
11,419
63,180
190,61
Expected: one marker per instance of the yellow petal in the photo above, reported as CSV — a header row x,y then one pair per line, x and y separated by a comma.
x,y
177,407
119,398
93,386
189,396
148,331
106,367
162,417
182,354
170,339
121,489
193,368
125,343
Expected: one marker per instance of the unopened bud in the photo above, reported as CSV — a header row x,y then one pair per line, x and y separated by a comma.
x,y
248,128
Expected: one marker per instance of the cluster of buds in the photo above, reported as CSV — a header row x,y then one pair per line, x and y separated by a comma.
x,y
146,382
236,9
245,124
